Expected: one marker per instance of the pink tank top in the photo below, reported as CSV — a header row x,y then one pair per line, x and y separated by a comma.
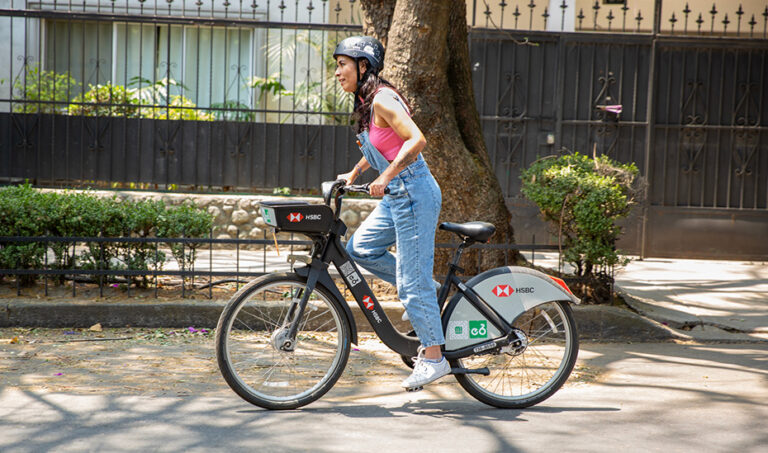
x,y
385,139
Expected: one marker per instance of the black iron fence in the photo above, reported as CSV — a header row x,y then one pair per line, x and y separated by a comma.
x,y
209,95
210,261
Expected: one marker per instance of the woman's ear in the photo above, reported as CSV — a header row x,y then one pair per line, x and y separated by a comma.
x,y
363,65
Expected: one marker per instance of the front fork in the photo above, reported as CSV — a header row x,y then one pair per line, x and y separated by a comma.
x,y
287,340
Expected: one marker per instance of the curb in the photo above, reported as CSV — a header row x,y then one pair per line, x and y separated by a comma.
x,y
594,322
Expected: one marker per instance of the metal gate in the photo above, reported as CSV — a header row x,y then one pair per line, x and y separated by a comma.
x,y
693,118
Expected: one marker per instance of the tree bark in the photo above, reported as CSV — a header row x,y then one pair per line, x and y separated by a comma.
x,y
427,59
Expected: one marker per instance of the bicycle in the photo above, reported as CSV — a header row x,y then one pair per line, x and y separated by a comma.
x,y
283,340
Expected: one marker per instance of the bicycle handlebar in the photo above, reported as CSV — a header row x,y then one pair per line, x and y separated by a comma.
x,y
360,188
335,190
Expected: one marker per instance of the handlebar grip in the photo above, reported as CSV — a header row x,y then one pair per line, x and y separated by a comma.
x,y
362,188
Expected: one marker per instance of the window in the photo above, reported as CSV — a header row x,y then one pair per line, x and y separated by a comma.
x,y
212,64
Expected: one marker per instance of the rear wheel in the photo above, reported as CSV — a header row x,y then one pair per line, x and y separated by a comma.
x,y
530,374
251,349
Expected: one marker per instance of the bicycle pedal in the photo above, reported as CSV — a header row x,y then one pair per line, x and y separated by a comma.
x,y
414,389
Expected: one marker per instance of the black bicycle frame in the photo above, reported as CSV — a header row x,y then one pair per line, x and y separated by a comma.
x,y
328,249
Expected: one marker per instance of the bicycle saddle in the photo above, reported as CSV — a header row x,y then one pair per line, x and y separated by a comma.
x,y
477,231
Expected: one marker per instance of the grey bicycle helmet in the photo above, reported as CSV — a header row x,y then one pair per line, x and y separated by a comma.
x,y
357,47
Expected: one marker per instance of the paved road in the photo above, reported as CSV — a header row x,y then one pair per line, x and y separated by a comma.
x,y
161,395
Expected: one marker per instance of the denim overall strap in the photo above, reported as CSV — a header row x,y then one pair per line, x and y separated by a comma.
x,y
373,156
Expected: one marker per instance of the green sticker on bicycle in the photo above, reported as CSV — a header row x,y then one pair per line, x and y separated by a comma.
x,y
269,216
478,329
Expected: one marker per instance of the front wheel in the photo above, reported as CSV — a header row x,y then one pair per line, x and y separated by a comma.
x,y
251,343
530,374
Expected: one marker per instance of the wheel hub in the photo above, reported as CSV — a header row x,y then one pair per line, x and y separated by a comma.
x,y
517,346
281,340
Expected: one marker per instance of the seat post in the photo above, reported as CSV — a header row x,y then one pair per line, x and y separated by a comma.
x,y
457,256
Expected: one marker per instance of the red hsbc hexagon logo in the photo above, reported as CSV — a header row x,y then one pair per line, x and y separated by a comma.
x,y
368,302
295,217
503,290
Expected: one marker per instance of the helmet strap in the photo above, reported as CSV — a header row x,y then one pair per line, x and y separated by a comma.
x,y
358,99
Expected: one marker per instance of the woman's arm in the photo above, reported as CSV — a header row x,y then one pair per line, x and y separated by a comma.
x,y
389,112
358,170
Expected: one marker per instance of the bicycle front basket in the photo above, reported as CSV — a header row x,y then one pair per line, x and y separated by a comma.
x,y
297,216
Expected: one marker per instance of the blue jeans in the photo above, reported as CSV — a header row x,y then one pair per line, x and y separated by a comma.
x,y
407,218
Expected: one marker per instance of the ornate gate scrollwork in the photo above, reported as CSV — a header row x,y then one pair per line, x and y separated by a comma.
x,y
606,111
693,134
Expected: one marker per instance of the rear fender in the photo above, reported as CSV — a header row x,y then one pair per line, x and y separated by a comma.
x,y
510,291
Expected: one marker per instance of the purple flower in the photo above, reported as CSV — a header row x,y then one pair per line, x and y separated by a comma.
x,y
192,329
58,374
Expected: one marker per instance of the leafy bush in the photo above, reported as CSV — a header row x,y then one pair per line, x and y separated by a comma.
x,y
184,221
25,211
106,100
232,111
582,198
178,108
158,103
44,91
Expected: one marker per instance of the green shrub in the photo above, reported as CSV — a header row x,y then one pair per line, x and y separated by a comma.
x,y
106,100
178,108
44,91
232,111
141,221
184,221
582,198
158,103
25,211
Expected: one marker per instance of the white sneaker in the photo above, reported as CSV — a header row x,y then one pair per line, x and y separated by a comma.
x,y
426,371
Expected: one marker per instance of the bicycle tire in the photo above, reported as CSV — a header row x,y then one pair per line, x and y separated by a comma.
x,y
247,343
522,380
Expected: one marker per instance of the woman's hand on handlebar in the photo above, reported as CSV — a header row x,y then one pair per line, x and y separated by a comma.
x,y
348,177
362,188
377,188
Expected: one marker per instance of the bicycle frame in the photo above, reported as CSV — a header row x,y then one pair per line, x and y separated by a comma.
x,y
328,249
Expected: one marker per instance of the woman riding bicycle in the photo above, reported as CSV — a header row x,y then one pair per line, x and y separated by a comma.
x,y
391,143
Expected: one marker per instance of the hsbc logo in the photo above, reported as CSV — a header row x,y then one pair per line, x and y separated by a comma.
x,y
295,217
506,290
368,302
503,290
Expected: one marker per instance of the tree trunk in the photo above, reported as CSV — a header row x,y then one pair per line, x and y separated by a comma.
x,y
427,58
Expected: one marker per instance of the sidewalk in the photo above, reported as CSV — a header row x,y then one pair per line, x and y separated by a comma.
x,y
669,299
717,300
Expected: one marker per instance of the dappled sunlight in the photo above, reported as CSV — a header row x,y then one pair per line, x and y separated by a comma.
x,y
157,389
